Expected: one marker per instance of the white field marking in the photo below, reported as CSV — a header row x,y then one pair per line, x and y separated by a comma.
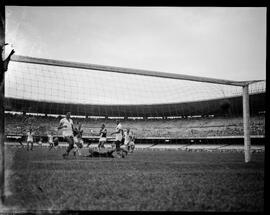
x,y
162,146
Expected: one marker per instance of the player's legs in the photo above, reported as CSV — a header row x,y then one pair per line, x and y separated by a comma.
x,y
70,142
80,146
117,145
99,144
124,150
110,153
56,143
32,143
20,141
102,144
79,152
119,149
132,146
50,145
75,140
75,149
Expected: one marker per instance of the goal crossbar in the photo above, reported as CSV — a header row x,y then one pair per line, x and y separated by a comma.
x,y
26,59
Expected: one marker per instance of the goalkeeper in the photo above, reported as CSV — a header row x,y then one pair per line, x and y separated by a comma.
x,y
106,154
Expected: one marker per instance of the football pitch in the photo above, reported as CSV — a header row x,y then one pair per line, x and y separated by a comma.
x,y
146,180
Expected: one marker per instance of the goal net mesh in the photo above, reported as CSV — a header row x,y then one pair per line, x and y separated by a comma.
x,y
152,107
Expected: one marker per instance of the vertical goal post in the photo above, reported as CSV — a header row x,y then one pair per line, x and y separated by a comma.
x,y
246,123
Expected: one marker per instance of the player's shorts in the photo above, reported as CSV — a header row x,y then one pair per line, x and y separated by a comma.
x,y
123,146
66,138
78,142
78,145
131,143
127,143
117,145
69,140
30,140
102,139
55,141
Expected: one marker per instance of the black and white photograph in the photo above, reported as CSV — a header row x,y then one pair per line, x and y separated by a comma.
x,y
132,108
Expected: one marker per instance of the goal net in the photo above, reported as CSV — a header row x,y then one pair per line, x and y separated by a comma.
x,y
158,107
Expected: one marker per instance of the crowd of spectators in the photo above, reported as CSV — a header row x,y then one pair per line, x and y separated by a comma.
x,y
203,127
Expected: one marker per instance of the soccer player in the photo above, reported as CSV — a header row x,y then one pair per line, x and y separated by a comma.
x,y
103,137
53,141
107,154
77,132
50,140
40,141
119,138
129,140
30,139
66,124
20,140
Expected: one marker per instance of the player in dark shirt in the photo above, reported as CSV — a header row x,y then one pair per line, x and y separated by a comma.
x,y
103,137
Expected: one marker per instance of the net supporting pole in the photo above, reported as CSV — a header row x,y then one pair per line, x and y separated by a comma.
x,y
2,109
246,120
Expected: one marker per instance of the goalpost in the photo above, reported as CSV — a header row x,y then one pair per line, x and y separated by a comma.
x,y
46,80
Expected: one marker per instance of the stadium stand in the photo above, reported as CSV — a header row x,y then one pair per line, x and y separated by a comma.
x,y
173,128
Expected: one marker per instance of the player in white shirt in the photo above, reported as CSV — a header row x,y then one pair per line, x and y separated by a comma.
x,y
66,124
40,141
118,138
30,139
129,140
53,142
50,140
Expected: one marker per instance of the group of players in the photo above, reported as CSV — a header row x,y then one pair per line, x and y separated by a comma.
x,y
72,134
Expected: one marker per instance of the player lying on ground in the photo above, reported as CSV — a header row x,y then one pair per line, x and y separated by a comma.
x,y
105,153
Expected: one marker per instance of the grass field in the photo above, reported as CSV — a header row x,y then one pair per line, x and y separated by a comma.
x,y
171,180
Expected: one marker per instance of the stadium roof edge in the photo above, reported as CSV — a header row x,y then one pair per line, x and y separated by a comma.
x,y
257,102
26,59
